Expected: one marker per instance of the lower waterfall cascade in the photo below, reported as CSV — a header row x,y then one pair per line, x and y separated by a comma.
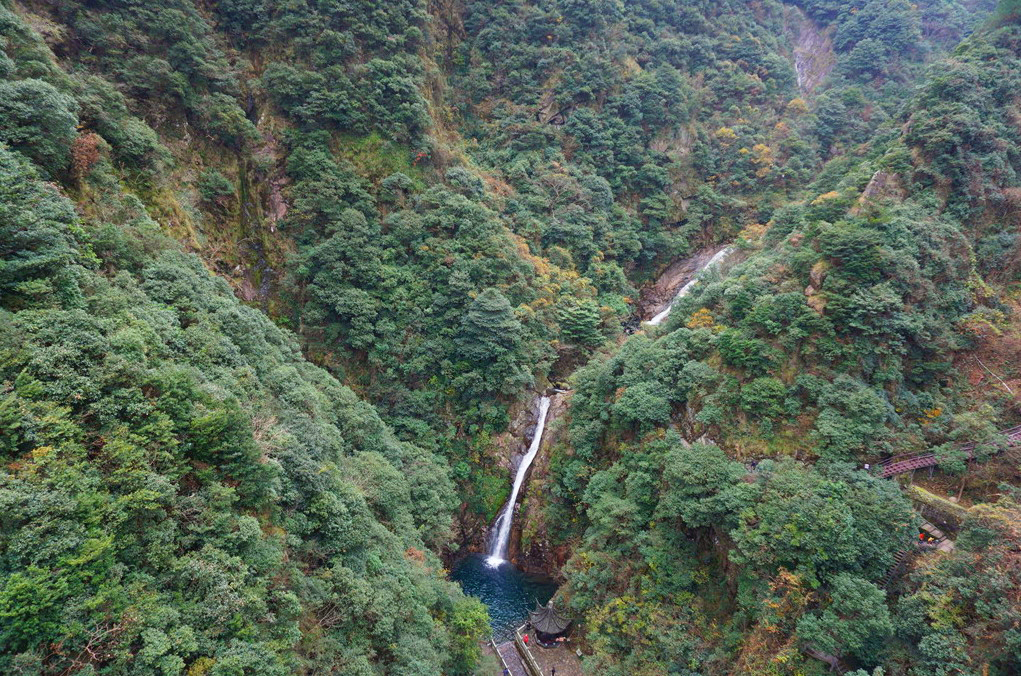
x,y
498,546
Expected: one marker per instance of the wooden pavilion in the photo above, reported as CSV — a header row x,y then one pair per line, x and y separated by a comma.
x,y
548,623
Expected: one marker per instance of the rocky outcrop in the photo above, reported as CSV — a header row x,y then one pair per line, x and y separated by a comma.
x,y
813,51
470,533
550,111
815,280
882,186
656,297
507,448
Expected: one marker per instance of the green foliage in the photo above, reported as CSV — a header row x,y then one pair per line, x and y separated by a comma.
x,y
953,122
225,120
103,108
822,524
469,625
855,622
36,243
948,600
489,330
182,491
39,121
703,487
851,420
829,340
580,324
323,84
764,398
473,193
666,507
750,354
214,186
434,293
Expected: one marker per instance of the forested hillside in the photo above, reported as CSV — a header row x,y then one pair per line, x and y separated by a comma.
x,y
276,276
182,492
831,346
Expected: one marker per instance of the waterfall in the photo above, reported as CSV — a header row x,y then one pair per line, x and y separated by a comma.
x,y
498,548
718,257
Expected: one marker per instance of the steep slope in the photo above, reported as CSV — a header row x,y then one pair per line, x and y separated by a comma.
x,y
451,204
181,490
832,345
367,173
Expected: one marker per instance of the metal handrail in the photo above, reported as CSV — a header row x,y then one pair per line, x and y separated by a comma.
x,y
928,458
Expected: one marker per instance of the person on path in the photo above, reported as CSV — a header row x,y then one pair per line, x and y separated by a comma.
x,y
553,671
526,639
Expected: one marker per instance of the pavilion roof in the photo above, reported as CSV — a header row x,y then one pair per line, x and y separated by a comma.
x,y
548,620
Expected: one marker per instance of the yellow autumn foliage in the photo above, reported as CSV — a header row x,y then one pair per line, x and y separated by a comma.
x,y
701,319
826,197
726,135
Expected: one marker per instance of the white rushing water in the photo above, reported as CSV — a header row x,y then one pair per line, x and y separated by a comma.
x,y
498,549
717,258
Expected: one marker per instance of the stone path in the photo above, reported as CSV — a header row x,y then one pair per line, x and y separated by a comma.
x,y
562,657
943,543
511,658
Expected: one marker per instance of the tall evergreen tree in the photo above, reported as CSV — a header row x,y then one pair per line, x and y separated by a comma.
x,y
489,331
579,324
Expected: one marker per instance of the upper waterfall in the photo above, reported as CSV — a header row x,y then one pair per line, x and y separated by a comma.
x,y
719,257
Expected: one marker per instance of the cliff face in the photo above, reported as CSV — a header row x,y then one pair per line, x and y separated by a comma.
x,y
530,546
814,57
657,296
504,453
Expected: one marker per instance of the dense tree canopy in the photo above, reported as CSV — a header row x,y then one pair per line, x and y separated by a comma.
x,y
182,490
276,276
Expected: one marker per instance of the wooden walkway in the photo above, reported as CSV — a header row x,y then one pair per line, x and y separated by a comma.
x,y
901,464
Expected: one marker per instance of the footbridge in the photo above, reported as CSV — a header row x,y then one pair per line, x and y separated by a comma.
x,y
901,464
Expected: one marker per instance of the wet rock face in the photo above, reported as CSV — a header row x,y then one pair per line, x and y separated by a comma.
x,y
529,546
655,297
508,447
471,531
813,53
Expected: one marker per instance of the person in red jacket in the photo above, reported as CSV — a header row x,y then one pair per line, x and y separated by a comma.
x,y
526,639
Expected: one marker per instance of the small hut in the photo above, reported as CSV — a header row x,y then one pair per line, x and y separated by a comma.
x,y
548,623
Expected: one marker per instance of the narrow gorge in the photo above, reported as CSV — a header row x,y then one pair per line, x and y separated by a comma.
x,y
523,569
335,336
